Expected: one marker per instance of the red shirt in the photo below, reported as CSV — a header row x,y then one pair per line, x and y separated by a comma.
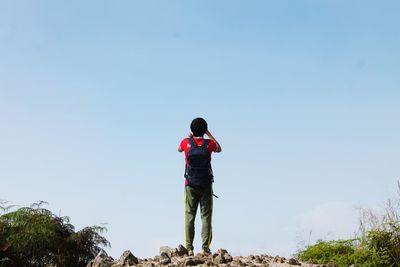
x,y
185,146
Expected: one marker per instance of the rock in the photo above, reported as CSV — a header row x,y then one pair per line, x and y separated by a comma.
x,y
189,262
266,261
228,258
192,262
178,257
238,262
279,259
219,259
258,260
223,257
222,251
293,261
204,255
181,251
169,251
101,260
164,258
128,259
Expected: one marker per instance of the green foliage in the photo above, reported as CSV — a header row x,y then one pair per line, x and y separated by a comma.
x,y
344,253
34,236
384,242
329,251
377,244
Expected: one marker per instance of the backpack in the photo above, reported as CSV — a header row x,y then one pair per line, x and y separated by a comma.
x,y
198,169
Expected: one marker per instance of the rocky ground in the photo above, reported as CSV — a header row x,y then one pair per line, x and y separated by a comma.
x,y
178,257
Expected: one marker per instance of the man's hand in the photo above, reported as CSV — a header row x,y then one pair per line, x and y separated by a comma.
x,y
219,149
210,135
180,149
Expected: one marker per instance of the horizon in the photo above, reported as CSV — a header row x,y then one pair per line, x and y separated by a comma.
x,y
303,97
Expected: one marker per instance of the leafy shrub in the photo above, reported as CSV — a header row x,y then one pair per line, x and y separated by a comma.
x,y
343,253
377,244
34,236
322,252
384,242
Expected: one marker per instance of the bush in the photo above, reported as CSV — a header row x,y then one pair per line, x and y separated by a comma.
x,y
322,252
344,253
377,244
34,236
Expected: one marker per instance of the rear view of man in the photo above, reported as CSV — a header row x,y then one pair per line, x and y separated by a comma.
x,y
198,182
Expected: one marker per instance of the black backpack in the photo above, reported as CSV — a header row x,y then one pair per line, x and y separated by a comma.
x,y
198,169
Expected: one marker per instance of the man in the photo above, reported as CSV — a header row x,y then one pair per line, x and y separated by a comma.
x,y
198,181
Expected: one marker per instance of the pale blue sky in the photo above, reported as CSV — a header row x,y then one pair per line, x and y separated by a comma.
x,y
302,95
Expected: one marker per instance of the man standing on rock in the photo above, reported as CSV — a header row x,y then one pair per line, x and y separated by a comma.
x,y
198,181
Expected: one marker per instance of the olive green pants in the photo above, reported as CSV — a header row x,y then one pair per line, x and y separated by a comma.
x,y
194,197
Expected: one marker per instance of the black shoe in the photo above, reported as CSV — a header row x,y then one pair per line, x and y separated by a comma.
x,y
206,251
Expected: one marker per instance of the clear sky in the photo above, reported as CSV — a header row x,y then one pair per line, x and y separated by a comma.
x,y
303,96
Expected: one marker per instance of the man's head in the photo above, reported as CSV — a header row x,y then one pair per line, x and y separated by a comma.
x,y
198,127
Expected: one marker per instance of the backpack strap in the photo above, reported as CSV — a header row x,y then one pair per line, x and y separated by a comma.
x,y
205,143
192,145
192,142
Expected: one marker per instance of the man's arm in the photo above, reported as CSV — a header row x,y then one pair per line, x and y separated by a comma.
x,y
218,149
179,148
